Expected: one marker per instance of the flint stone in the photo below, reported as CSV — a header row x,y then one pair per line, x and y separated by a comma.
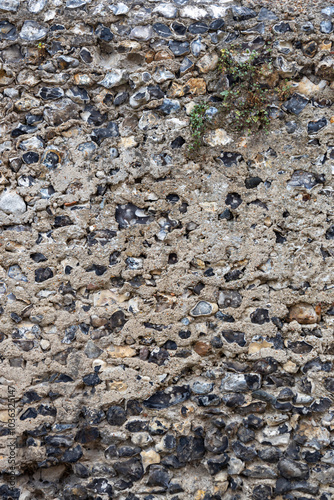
x,y
116,415
186,65
170,397
282,27
12,203
326,27
114,78
36,6
266,15
260,472
43,274
242,13
215,465
314,127
190,448
61,111
260,316
237,382
170,106
328,11
179,48
271,454
119,9
203,308
130,469
75,4
7,31
200,387
166,10
247,454
15,272
308,180
9,5
50,93
128,215
142,33
229,298
234,337
31,31
291,469
296,104
162,30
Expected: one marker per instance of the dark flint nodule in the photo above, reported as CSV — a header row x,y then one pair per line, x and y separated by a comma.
x,y
233,200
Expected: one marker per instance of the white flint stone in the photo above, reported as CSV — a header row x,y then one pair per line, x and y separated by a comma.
x,y
32,31
119,9
202,387
31,143
114,78
192,12
217,137
9,5
35,6
12,203
75,4
167,10
162,74
234,382
217,11
235,466
143,33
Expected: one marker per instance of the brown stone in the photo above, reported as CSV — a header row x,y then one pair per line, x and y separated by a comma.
x,y
5,79
117,386
255,347
149,56
130,45
176,90
163,55
217,137
195,86
325,45
325,68
268,77
303,313
117,351
202,348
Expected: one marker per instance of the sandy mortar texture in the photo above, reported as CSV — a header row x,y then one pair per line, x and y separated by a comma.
x,y
166,317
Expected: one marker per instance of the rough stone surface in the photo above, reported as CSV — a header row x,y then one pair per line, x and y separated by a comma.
x,y
166,315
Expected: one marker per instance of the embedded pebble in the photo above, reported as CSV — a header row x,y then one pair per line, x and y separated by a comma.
x,y
9,5
203,308
31,30
12,203
36,6
304,314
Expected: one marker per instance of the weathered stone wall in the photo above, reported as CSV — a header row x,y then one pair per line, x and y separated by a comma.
x,y
166,317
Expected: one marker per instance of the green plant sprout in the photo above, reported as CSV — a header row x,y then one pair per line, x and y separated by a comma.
x,y
253,86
